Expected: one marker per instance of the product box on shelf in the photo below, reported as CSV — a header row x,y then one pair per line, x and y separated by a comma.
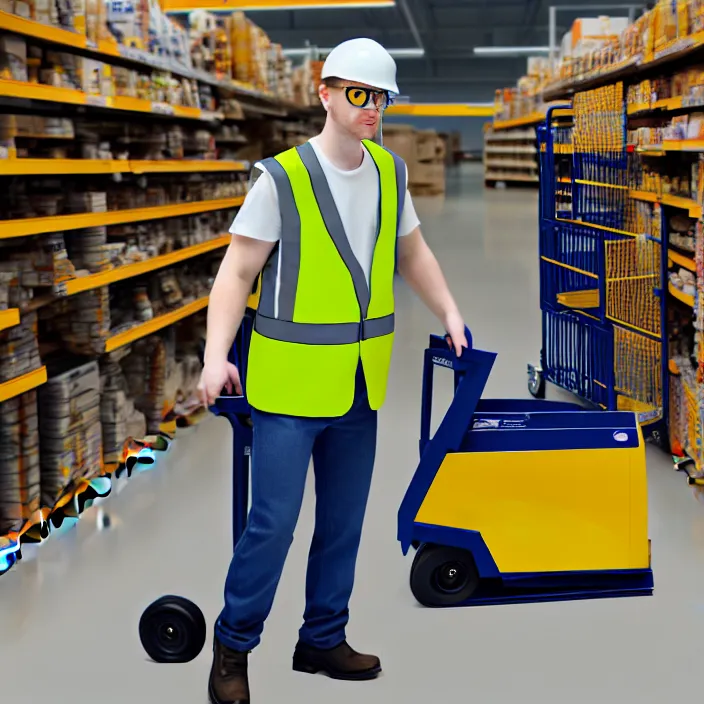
x,y
19,460
19,349
69,428
13,58
119,417
128,21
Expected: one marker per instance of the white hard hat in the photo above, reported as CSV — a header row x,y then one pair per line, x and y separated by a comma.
x,y
362,60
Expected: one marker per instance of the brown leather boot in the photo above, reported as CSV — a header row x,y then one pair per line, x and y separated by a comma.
x,y
340,663
228,676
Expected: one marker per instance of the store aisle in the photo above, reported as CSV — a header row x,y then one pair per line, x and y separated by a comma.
x,y
70,609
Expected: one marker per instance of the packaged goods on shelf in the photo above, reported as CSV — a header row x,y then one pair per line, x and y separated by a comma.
x,y
112,305
37,262
221,48
13,58
162,376
19,349
665,29
525,98
678,176
119,417
682,231
79,324
69,428
19,460
51,197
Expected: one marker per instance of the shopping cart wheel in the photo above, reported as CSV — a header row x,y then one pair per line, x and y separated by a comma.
x,y
443,576
536,382
172,629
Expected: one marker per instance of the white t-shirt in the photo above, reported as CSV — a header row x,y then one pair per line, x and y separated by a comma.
x,y
356,195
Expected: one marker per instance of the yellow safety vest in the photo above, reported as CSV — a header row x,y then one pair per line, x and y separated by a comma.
x,y
316,315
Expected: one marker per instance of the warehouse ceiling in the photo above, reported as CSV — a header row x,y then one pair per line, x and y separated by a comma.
x,y
448,31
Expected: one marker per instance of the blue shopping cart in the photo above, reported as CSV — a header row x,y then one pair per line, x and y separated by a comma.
x,y
601,284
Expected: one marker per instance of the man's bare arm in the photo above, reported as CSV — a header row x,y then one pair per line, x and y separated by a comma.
x,y
420,269
244,259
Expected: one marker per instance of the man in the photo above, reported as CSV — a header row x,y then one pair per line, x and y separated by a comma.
x,y
327,224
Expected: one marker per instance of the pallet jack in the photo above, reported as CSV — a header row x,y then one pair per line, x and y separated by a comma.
x,y
523,500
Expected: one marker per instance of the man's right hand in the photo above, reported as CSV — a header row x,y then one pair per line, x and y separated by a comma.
x,y
216,377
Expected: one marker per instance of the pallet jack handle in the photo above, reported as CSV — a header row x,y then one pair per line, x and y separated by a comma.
x,y
471,369
441,353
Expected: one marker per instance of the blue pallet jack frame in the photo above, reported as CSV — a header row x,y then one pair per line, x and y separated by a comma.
x,y
237,411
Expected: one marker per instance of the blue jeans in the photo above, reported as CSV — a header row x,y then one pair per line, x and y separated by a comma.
x,y
343,451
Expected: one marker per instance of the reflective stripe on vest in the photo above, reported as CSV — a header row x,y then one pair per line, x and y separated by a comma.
x,y
318,318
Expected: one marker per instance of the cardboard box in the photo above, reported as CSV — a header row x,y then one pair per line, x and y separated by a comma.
x,y
426,145
401,139
429,174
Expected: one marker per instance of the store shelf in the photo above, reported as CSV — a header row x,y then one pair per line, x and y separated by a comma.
x,y
109,49
35,91
59,223
39,167
684,145
564,90
440,110
517,136
491,149
9,318
665,105
494,176
693,208
532,119
677,49
69,96
680,296
37,30
22,384
186,166
151,326
682,260
128,271
511,163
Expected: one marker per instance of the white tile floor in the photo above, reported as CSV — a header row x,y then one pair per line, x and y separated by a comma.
x,y
70,609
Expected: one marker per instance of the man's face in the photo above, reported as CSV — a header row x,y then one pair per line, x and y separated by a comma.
x,y
356,107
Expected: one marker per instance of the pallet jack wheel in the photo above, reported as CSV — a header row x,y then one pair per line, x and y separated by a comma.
x,y
536,382
172,629
443,575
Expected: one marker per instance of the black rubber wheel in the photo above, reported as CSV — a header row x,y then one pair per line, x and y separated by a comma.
x,y
172,629
536,383
443,576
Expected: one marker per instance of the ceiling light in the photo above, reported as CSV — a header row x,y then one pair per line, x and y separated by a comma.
x,y
510,50
405,53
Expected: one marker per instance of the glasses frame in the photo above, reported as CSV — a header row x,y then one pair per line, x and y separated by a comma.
x,y
385,95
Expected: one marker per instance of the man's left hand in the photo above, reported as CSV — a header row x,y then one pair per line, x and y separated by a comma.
x,y
454,324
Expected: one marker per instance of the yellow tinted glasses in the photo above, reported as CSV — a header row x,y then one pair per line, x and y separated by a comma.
x,y
367,98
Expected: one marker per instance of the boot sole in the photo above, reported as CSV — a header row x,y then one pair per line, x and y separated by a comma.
x,y
214,700
311,669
